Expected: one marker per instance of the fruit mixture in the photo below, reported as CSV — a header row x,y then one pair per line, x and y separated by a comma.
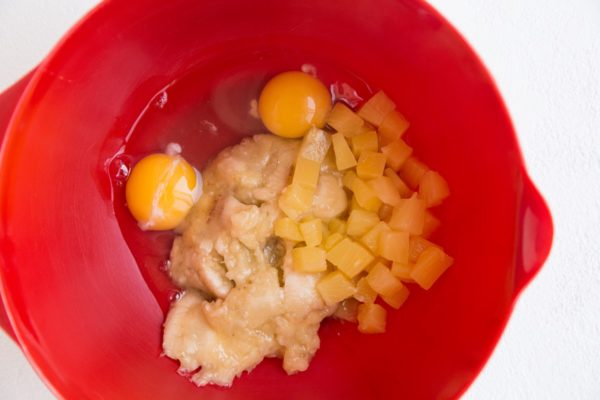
x,y
328,215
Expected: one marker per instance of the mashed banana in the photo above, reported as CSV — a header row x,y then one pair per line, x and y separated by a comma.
x,y
243,301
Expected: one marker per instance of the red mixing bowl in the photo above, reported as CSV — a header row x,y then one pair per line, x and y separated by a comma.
x,y
85,291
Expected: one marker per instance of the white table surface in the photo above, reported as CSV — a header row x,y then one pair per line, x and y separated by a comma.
x,y
545,56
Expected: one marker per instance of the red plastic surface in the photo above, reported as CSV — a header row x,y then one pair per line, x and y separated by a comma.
x,y
84,288
8,101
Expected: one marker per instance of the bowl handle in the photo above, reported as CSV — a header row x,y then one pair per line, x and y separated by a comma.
x,y
534,238
8,101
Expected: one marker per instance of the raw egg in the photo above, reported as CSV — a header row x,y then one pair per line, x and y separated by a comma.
x,y
161,190
292,102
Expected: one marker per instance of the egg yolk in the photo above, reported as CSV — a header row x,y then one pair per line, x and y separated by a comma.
x,y
161,190
292,102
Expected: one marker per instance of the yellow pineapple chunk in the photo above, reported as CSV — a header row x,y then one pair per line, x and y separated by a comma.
x,y
344,158
365,196
287,228
392,127
372,206
366,128
370,165
382,281
295,200
312,232
371,318
335,287
416,246
402,271
349,257
366,141
431,224
306,173
402,187
364,293
376,108
337,225
309,259
396,153
347,310
371,238
348,179
413,171
360,221
344,120
433,188
409,216
397,299
386,190
393,246
315,145
431,264
332,240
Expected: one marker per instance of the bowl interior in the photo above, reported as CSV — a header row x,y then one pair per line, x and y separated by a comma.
x,y
87,289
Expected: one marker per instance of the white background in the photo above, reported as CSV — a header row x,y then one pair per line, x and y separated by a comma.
x,y
545,56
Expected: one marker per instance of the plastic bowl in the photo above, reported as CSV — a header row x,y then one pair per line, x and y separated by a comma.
x,y
82,287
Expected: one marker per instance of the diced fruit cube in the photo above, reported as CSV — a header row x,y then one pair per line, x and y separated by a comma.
x,y
347,310
344,120
348,179
433,188
392,127
402,187
371,318
360,221
364,293
409,216
371,238
349,257
396,153
370,165
296,200
393,246
337,225
382,281
335,287
432,263
315,145
312,232
402,271
287,228
366,141
344,158
376,108
309,259
378,260
365,128
386,190
397,299
372,206
332,240
365,196
431,224
306,173
412,172
416,246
